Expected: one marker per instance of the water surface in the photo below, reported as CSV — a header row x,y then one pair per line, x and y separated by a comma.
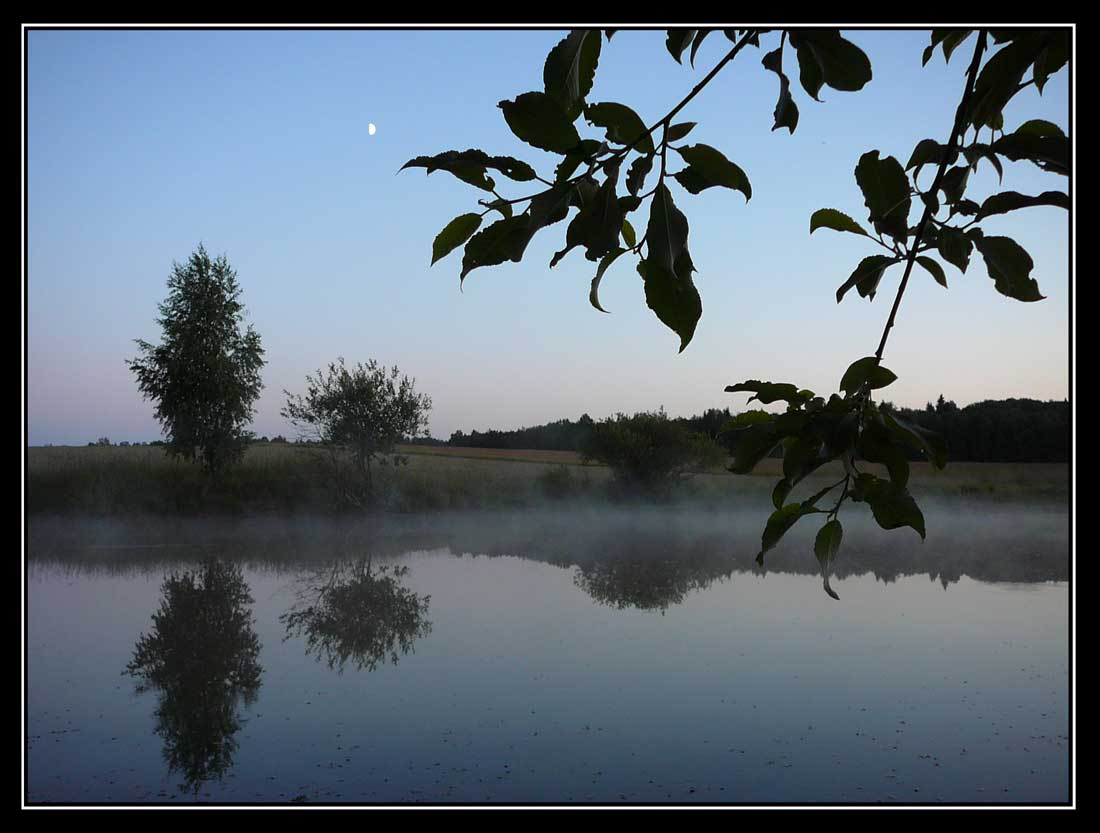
x,y
540,657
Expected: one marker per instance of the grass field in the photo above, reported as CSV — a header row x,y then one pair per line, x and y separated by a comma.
x,y
113,480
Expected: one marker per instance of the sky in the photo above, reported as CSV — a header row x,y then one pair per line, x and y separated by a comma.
x,y
141,144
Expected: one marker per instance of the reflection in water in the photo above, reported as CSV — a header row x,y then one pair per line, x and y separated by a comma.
x,y
352,612
646,584
202,658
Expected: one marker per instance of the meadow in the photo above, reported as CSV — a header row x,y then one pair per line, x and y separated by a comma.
x,y
289,478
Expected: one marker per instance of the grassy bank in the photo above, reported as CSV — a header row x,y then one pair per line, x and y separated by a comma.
x,y
290,479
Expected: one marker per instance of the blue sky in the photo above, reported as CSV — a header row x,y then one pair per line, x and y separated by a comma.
x,y
141,144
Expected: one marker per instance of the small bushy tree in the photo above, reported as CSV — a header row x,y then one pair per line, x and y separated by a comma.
x,y
649,452
364,411
205,375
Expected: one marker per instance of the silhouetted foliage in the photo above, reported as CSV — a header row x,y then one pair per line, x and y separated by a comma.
x,y
843,426
358,614
205,375
202,657
648,452
365,411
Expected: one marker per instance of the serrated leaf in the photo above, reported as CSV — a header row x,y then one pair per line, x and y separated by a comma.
x,y
540,121
830,218
954,247
454,234
885,193
933,269
667,232
673,297
622,124
768,392
709,167
467,165
570,69
1049,152
866,276
866,371
503,240
1010,201
1010,267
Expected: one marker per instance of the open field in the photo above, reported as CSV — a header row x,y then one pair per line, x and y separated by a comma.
x,y
289,478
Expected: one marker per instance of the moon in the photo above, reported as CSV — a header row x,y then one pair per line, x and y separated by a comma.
x,y
371,128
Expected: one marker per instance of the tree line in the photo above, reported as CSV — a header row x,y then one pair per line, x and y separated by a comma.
x,y
993,431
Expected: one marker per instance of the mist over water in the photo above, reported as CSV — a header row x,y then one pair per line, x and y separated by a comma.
x,y
618,655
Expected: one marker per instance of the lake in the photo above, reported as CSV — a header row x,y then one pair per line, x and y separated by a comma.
x,y
548,657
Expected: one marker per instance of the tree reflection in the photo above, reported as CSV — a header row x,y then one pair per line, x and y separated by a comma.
x,y
202,658
644,583
358,614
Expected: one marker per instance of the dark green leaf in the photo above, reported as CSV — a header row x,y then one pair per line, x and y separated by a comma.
x,y
950,42
927,151
977,151
667,232
892,505
786,111
539,120
709,167
810,72
677,41
866,276
866,371
800,457
570,68
838,221
885,192
503,240
827,543
876,446
593,293
954,182
630,237
928,443
768,392
1000,79
622,124
780,521
843,65
1010,267
933,269
780,492
679,131
1051,153
698,42
454,234
954,247
1010,201
1039,127
635,176
467,165
672,296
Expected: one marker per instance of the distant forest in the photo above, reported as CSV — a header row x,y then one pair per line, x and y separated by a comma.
x,y
995,431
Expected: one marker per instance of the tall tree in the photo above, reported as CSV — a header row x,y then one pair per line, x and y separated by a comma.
x,y
205,375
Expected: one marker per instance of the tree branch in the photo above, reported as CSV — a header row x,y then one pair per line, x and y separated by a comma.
x,y
956,131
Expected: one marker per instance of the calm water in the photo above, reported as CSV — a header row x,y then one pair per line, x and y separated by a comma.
x,y
535,657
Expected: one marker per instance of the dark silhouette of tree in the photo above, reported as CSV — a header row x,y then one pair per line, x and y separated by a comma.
x,y
205,375
358,614
202,658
